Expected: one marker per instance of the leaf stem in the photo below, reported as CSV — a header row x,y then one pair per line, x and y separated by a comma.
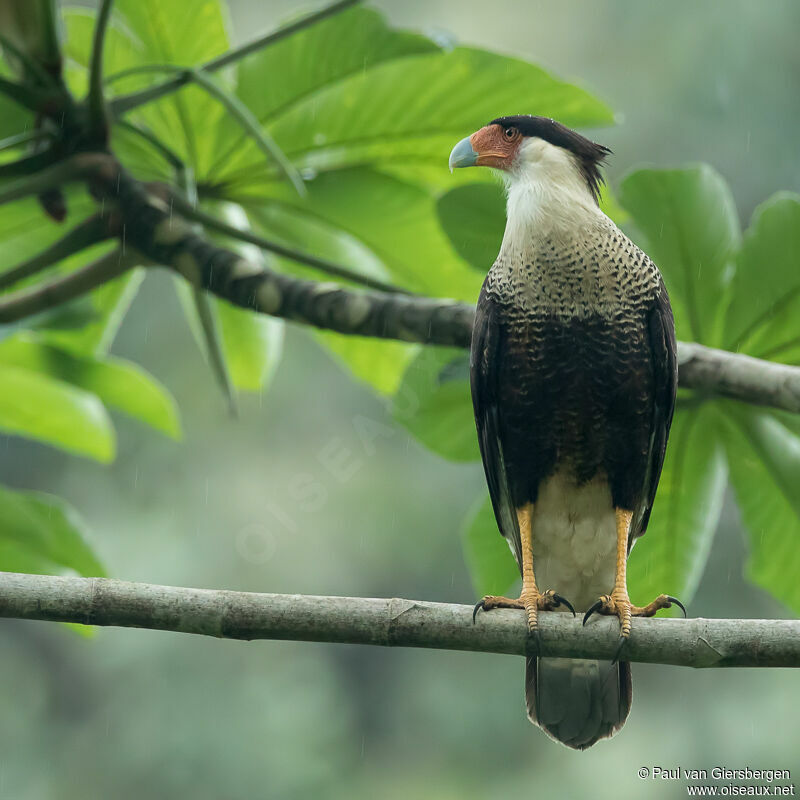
x,y
98,113
209,221
34,69
90,232
236,108
23,304
25,96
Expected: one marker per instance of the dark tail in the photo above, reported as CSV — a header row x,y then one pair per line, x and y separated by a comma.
x,y
577,701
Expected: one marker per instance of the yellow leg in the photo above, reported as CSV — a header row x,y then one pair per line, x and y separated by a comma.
x,y
618,602
531,599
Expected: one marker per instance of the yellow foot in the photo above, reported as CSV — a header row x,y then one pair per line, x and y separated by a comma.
x,y
531,600
618,604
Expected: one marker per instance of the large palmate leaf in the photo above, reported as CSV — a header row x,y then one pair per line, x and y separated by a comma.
x,y
410,110
397,222
116,382
491,565
307,62
380,363
39,533
671,556
474,217
689,227
763,314
51,411
433,403
764,457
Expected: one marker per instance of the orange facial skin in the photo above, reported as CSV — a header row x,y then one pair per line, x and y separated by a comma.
x,y
496,146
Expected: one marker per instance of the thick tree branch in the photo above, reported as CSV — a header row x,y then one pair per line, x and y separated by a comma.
x,y
149,225
393,623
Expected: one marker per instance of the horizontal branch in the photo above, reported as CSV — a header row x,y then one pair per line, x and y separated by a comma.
x,y
393,623
163,237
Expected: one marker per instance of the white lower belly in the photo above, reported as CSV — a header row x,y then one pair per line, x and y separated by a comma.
x,y
574,538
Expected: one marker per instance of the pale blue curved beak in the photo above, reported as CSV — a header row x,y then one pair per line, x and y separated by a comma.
x,y
463,155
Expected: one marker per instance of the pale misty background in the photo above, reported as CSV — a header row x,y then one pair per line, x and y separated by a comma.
x,y
132,714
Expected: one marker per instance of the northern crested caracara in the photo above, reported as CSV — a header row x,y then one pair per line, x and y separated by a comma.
x,y
573,373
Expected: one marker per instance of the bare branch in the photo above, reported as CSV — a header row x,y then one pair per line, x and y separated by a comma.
x,y
393,623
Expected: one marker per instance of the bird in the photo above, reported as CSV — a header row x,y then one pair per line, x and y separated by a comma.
x,y
573,373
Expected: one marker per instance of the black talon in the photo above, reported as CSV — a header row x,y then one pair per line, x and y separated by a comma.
x,y
678,603
596,607
478,606
620,648
562,601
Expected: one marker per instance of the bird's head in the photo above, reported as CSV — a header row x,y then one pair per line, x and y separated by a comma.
x,y
535,149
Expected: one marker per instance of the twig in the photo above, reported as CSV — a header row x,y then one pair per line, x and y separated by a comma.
x,y
24,138
19,305
25,96
88,233
80,167
393,623
127,102
27,165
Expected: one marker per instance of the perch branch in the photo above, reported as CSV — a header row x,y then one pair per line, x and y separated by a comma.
x,y
393,623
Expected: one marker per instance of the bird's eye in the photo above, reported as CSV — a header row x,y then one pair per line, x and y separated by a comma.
x,y
510,133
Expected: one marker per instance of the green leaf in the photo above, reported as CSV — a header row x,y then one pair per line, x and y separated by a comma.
x,y
308,61
763,312
380,363
116,382
474,217
671,556
253,345
42,534
764,457
39,407
433,403
397,222
690,229
380,114
489,560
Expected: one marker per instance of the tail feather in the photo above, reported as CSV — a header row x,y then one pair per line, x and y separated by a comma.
x,y
577,701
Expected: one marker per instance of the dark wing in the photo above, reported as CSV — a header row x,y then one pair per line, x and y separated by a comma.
x,y
485,359
663,355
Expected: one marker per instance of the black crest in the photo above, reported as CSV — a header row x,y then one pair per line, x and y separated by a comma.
x,y
589,154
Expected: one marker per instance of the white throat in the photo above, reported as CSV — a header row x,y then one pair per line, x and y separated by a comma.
x,y
547,195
